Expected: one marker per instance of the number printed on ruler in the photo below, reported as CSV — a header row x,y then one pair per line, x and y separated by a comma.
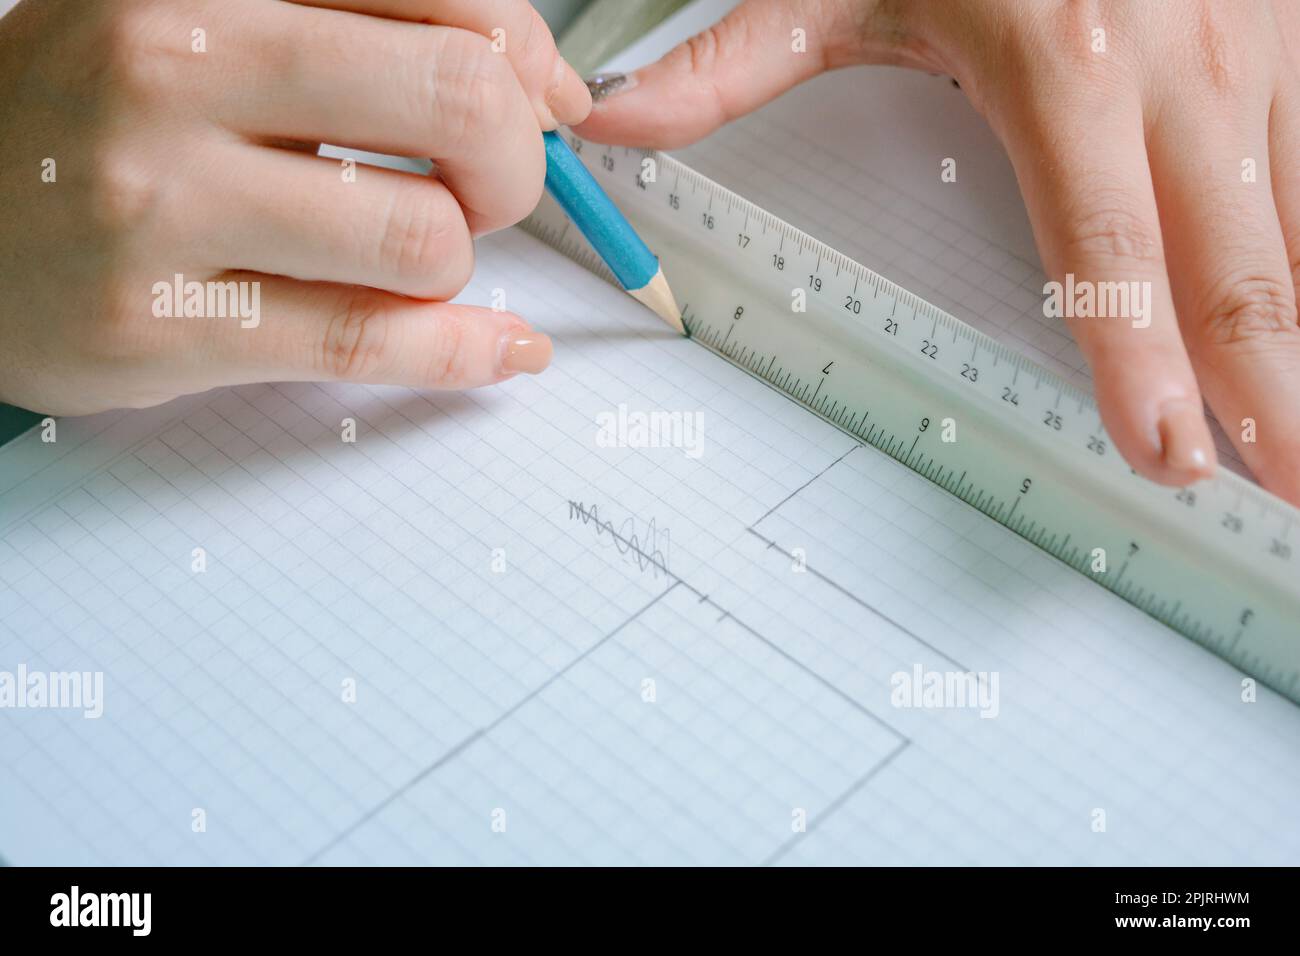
x,y
1214,562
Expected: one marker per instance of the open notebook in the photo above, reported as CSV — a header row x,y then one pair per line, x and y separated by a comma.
x,y
476,634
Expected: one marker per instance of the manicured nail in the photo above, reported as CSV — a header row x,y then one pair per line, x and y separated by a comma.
x,y
568,99
605,85
1185,442
525,352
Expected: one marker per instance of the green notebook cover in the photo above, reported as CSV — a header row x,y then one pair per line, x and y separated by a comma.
x,y
15,421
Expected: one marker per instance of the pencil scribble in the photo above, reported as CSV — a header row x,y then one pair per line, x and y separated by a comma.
x,y
652,554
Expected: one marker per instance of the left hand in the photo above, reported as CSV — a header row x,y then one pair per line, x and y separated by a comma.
x,y
1132,162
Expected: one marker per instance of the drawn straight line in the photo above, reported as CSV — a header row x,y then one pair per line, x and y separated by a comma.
x,y
843,695
853,702
482,732
861,603
835,804
804,485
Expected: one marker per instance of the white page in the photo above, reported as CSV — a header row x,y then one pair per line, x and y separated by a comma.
x,y
520,697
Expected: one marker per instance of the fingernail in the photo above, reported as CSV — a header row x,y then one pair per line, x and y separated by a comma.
x,y
604,85
1185,443
528,352
568,98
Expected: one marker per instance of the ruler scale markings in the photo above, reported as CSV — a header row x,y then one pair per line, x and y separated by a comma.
x,y
1064,482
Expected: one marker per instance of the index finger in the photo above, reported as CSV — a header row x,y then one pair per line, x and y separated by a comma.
x,y
389,86
1096,223
517,31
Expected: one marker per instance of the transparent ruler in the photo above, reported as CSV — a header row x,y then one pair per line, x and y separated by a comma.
x,y
1216,561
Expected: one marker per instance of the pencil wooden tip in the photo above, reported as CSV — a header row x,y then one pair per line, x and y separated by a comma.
x,y
656,295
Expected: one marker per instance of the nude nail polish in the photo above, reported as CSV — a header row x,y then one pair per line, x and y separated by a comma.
x,y
1185,443
528,352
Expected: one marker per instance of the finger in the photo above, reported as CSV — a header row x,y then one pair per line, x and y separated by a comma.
x,y
393,87
1284,165
517,31
745,60
314,218
1095,219
1232,280
323,331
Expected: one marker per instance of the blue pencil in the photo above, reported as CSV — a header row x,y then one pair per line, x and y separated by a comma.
x,y
609,233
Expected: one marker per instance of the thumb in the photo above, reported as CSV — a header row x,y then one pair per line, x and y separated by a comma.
x,y
753,55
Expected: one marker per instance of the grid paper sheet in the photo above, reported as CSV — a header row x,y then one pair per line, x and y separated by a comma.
x,y
569,653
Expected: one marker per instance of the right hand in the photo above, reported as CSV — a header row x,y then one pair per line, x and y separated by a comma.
x,y
170,160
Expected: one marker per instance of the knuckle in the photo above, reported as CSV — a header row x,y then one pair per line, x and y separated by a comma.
x,y
1218,59
1113,234
537,35
468,88
703,50
354,345
539,63
490,88
142,48
424,238
702,54
535,44
448,360
125,192
1248,309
